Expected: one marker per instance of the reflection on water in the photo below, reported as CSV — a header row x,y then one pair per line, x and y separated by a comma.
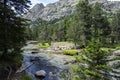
x,y
42,64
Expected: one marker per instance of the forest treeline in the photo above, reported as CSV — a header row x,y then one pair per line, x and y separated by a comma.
x,y
89,26
92,29
89,21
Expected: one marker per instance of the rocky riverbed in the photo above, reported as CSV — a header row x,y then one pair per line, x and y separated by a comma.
x,y
47,61
52,63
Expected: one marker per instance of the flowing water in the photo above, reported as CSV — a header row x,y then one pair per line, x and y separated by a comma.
x,y
41,65
46,62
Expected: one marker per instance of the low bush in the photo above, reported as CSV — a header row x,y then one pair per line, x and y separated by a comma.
x,y
26,77
70,52
43,45
117,48
22,76
106,49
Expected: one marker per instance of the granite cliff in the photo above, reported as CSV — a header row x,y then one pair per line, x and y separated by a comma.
x,y
64,7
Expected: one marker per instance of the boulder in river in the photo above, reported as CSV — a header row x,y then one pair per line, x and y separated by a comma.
x,y
40,74
116,53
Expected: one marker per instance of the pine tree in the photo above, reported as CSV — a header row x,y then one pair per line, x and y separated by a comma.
x,y
74,31
100,24
12,35
115,38
96,59
65,25
83,17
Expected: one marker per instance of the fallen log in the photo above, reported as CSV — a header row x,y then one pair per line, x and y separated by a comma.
x,y
23,68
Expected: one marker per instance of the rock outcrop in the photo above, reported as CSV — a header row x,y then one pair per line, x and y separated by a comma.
x,y
52,10
64,7
116,53
35,10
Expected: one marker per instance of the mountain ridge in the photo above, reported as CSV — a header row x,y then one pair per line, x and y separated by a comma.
x,y
63,8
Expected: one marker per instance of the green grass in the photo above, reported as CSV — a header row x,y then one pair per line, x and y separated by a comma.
x,y
22,76
26,77
43,46
117,48
106,49
70,52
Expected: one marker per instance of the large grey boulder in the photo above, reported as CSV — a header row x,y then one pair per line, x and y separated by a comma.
x,y
116,53
40,74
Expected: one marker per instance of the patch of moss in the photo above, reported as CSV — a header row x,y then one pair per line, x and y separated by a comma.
x,y
70,52
43,45
117,48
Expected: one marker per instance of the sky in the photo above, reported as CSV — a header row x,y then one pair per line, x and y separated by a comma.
x,y
45,2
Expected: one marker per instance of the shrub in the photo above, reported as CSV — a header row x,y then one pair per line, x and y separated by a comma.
x,y
26,77
70,52
22,76
92,73
107,49
43,45
117,48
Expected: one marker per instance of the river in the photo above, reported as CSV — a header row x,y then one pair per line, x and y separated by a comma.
x,y
41,65
48,62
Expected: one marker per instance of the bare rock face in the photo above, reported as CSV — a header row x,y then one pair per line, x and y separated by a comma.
x,y
53,10
40,74
64,7
32,13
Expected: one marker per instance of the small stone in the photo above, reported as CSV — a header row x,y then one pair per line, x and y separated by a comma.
x,y
51,74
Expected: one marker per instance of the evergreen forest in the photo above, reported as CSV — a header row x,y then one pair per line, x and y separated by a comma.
x,y
89,38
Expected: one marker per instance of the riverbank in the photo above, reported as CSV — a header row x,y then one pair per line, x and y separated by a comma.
x,y
49,60
22,76
52,61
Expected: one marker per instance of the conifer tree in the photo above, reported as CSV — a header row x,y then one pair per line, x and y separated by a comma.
x,y
83,17
100,24
12,35
115,28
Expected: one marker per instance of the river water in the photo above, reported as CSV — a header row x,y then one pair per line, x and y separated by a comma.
x,y
41,64
54,64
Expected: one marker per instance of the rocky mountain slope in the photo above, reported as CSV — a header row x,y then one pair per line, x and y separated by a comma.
x,y
63,8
